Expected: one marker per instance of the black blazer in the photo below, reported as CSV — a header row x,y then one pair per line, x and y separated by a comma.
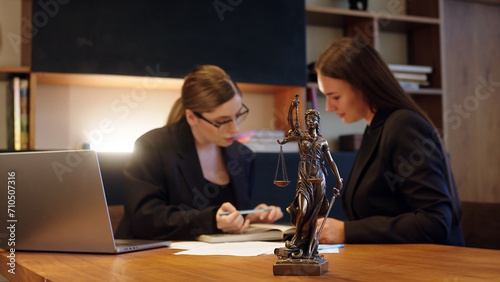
x,y
398,190
165,193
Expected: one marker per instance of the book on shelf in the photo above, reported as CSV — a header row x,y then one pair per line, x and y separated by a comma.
x,y
410,68
413,85
264,140
411,77
271,146
4,89
255,232
17,114
312,102
407,85
13,105
24,111
260,134
408,76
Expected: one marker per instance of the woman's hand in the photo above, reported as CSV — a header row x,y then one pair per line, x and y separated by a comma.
x,y
333,232
233,222
265,217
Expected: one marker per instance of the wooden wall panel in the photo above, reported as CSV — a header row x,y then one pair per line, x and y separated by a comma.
x,y
471,105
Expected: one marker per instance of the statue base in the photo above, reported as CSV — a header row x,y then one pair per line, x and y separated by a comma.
x,y
287,266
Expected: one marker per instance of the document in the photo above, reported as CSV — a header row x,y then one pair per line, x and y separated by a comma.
x,y
255,232
254,248
230,249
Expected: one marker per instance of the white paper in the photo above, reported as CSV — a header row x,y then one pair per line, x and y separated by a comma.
x,y
251,248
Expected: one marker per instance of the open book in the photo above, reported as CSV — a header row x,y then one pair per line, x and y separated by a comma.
x,y
255,232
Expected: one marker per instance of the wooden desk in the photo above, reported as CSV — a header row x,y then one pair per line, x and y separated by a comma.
x,y
354,262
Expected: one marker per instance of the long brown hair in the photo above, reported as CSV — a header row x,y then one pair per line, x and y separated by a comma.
x,y
205,88
359,64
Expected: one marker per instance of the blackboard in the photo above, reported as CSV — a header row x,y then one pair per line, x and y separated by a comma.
x,y
258,41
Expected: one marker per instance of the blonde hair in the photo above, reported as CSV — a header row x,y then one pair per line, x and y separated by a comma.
x,y
205,88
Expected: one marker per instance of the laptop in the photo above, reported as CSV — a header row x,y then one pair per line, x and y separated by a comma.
x,y
55,201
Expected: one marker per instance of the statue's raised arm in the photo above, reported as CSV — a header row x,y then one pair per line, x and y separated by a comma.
x,y
294,133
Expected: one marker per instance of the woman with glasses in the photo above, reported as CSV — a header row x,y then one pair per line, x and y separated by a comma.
x,y
181,177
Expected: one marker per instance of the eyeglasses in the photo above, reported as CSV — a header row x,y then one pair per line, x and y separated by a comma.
x,y
222,126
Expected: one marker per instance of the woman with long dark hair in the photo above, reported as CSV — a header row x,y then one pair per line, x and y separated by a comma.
x,y
401,188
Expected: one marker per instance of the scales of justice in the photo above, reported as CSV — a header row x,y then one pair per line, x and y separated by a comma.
x,y
300,255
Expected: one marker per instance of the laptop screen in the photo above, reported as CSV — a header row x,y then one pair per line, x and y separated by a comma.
x,y
54,201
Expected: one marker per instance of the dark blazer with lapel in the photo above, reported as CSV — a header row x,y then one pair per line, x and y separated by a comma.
x,y
165,193
398,190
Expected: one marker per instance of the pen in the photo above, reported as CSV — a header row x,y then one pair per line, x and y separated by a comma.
x,y
246,211
324,247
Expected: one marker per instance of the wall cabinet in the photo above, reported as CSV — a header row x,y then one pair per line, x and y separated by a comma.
x,y
421,27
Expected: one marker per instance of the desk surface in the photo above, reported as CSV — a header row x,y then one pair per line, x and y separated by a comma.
x,y
354,262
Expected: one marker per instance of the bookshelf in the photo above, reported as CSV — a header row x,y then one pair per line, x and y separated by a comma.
x,y
7,72
420,25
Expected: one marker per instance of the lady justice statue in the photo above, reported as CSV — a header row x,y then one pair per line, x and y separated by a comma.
x,y
300,254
